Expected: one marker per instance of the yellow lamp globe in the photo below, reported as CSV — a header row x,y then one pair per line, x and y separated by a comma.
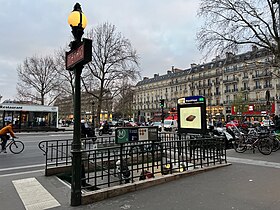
x,y
74,19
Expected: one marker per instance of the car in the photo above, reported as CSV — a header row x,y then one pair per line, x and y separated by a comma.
x,y
236,123
267,123
170,125
232,123
130,124
158,124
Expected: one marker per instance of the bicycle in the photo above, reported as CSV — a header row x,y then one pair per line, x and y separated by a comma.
x,y
275,138
264,143
15,146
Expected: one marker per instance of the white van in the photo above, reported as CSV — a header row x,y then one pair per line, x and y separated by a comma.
x,y
170,125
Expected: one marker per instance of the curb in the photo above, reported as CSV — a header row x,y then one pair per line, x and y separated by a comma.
x,y
102,194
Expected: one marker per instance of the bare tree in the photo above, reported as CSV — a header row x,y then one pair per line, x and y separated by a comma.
x,y
67,77
113,60
232,25
123,102
38,80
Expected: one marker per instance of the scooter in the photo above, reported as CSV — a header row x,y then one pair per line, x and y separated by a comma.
x,y
102,131
226,134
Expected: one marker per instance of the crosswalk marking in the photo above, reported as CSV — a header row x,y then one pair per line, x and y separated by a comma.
x,y
33,195
254,162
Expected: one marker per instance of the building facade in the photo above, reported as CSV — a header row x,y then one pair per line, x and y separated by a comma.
x,y
237,85
88,108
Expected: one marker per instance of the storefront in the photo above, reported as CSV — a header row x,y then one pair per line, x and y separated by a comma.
x,y
28,117
254,112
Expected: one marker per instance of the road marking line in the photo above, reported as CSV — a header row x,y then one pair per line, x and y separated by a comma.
x,y
254,162
33,195
70,134
20,173
22,167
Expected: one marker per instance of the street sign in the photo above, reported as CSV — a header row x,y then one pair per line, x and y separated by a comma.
x,y
125,135
81,55
192,114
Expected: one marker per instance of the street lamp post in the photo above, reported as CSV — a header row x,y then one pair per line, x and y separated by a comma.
x,y
79,55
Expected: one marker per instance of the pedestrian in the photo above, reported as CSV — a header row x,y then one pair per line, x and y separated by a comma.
x,y
4,137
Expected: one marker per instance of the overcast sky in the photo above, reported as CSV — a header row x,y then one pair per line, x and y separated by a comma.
x,y
163,32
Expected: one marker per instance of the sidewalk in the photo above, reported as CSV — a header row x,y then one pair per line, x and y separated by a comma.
x,y
251,182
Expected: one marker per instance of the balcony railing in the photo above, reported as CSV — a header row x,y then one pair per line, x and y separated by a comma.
x,y
262,75
245,89
258,87
267,86
232,80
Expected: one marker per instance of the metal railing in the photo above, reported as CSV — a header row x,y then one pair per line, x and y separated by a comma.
x,y
107,164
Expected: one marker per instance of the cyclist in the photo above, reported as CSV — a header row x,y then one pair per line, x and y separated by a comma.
x,y
4,137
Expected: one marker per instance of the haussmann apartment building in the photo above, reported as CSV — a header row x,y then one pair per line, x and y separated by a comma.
x,y
233,86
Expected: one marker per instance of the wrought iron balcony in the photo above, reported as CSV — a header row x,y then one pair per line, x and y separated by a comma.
x,y
232,80
245,89
262,75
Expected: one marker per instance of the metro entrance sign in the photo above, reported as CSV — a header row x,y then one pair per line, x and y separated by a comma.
x,y
125,135
192,114
80,55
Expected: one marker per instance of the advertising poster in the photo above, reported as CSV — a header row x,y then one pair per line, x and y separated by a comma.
x,y
143,134
190,117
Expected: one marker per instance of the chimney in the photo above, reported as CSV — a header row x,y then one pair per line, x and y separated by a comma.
x,y
156,75
193,65
254,48
229,54
169,72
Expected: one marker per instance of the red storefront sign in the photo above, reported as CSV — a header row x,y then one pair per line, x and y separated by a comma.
x,y
251,110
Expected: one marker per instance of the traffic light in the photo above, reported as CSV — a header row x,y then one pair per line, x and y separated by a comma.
x,y
161,102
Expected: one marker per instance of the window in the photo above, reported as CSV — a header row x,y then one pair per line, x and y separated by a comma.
x,y
227,99
246,97
257,84
257,73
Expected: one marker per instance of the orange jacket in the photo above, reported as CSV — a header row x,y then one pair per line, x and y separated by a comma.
x,y
7,129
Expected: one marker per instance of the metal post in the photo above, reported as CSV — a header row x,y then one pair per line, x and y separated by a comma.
x,y
76,144
162,119
93,122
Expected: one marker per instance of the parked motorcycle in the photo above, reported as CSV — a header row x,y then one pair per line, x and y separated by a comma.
x,y
104,131
227,134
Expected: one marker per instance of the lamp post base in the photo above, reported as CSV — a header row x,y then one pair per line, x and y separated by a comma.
x,y
76,194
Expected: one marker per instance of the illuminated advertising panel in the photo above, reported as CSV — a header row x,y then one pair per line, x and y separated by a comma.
x,y
192,114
